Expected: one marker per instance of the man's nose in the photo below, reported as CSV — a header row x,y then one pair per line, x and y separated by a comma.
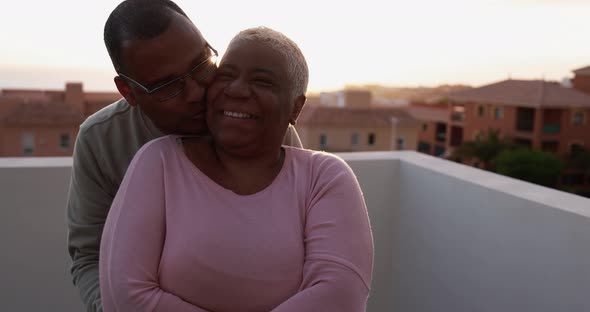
x,y
194,91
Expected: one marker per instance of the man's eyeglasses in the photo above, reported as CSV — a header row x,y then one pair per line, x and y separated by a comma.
x,y
174,87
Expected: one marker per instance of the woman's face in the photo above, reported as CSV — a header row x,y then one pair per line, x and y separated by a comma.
x,y
249,103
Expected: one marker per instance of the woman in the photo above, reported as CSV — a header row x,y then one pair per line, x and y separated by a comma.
x,y
237,222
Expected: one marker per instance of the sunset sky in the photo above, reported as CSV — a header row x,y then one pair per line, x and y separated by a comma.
x,y
388,42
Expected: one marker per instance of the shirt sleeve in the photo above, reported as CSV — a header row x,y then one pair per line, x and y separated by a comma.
x,y
292,138
88,203
133,240
338,264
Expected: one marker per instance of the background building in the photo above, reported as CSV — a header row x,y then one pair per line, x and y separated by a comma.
x,y
348,121
46,122
542,115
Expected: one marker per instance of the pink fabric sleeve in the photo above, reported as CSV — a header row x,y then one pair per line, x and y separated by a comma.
x,y
133,240
338,245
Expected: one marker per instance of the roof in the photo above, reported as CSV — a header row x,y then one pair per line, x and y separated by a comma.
x,y
48,107
584,71
347,116
40,113
429,112
529,93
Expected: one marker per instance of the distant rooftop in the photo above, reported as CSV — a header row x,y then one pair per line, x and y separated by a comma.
x,y
49,107
584,71
373,116
429,112
529,93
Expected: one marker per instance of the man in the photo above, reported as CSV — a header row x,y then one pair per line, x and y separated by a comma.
x,y
164,66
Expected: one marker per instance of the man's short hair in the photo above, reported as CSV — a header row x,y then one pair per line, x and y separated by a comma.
x,y
296,65
137,19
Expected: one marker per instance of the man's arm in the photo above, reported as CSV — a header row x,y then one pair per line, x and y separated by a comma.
x,y
89,200
292,138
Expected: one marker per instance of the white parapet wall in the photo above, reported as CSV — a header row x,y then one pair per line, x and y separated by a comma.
x,y
463,239
447,237
34,263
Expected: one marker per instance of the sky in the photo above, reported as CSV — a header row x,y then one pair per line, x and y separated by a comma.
x,y
403,43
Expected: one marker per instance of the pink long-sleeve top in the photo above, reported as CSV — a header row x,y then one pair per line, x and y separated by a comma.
x,y
174,240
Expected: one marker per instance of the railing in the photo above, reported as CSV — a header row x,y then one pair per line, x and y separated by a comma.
x,y
458,117
551,128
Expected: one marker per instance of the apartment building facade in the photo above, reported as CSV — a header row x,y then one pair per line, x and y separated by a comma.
x,y
547,116
347,121
45,122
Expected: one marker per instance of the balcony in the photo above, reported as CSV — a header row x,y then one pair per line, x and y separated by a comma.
x,y
551,128
457,117
447,237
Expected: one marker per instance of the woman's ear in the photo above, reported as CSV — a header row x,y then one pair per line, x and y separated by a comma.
x,y
297,106
125,90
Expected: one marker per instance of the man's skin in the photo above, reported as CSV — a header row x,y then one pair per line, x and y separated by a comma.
x,y
150,62
154,61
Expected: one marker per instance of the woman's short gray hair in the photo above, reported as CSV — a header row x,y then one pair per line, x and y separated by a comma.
x,y
296,64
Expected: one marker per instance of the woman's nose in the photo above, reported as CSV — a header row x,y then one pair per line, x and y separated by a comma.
x,y
237,88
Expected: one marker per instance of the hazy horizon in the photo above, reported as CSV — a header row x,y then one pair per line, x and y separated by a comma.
x,y
391,43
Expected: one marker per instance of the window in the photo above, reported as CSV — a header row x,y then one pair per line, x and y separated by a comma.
x,y
28,143
64,141
498,113
481,111
401,144
441,132
439,151
458,113
525,119
423,147
371,139
354,139
323,141
578,118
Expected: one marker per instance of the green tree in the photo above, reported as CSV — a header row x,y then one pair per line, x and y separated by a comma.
x,y
530,165
484,148
579,158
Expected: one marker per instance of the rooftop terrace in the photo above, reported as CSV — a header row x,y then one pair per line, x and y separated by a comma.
x,y
447,237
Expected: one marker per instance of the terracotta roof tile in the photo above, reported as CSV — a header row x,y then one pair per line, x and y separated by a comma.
x,y
528,93
584,71
426,113
341,116
40,113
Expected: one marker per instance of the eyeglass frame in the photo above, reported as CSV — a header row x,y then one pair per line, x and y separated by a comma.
x,y
188,74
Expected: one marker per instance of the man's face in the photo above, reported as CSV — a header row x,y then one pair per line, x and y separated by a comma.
x,y
155,61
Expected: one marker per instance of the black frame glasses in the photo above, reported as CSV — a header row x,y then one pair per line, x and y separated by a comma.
x,y
175,86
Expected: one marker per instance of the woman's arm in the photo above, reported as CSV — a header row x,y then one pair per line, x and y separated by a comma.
x,y
133,240
338,245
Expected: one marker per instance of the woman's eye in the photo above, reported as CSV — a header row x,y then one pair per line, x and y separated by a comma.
x,y
264,82
223,75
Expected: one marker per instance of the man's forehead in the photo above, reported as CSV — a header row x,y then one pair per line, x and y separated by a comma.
x,y
168,53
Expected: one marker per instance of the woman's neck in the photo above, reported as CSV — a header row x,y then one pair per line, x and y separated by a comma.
x,y
241,173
